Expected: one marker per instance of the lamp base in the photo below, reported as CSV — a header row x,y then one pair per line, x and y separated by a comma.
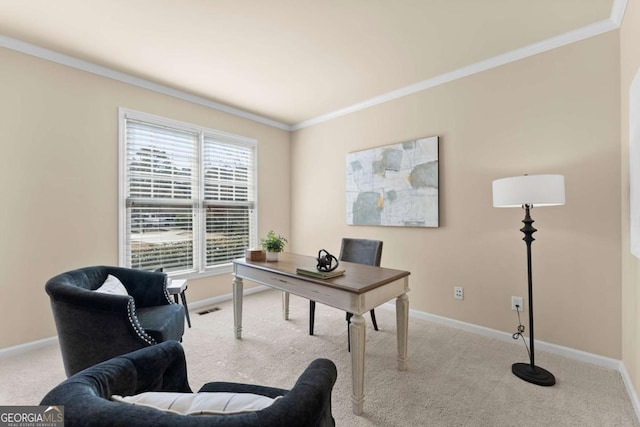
x,y
534,375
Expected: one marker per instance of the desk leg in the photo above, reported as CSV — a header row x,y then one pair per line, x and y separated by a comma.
x,y
285,305
357,331
402,325
237,306
186,308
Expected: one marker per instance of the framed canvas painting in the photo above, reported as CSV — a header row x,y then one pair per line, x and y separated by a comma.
x,y
394,185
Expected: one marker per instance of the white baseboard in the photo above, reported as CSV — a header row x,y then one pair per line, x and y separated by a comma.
x,y
630,390
208,302
492,333
35,345
571,353
27,347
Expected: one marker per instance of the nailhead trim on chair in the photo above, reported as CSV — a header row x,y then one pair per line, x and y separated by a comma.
x,y
166,292
133,319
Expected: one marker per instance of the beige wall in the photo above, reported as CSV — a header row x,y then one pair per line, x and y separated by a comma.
x,y
629,66
556,112
59,175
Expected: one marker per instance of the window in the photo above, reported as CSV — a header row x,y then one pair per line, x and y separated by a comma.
x,y
187,195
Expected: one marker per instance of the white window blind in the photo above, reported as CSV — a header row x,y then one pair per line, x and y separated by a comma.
x,y
228,199
189,195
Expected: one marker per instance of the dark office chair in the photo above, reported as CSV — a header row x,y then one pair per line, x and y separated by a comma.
x,y
361,251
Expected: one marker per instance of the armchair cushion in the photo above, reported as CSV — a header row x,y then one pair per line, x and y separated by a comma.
x,y
112,286
221,403
162,322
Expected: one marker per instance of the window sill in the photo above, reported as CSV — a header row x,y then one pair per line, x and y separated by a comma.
x,y
215,271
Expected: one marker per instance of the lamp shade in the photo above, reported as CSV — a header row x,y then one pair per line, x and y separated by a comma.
x,y
532,190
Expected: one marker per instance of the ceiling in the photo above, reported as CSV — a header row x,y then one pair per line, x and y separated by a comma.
x,y
293,61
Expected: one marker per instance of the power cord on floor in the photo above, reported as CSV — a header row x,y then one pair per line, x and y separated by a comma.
x,y
520,331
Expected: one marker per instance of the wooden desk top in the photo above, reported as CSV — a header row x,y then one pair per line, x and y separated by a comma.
x,y
357,278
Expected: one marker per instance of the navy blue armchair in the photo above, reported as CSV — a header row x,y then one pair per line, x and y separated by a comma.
x,y
162,368
93,327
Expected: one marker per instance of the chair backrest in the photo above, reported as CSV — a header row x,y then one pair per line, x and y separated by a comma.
x,y
361,251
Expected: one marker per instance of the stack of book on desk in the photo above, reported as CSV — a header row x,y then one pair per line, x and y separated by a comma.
x,y
316,274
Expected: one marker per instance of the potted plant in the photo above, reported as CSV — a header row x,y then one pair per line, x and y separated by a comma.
x,y
273,244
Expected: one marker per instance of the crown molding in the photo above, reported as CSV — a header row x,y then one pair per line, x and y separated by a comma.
x,y
582,33
70,61
617,12
606,25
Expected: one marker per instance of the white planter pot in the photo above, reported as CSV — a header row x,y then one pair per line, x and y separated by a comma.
x,y
272,256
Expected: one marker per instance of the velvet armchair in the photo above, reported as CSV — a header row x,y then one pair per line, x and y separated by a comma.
x,y
94,326
86,396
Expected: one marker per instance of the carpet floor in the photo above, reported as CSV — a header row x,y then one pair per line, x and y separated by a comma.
x,y
454,377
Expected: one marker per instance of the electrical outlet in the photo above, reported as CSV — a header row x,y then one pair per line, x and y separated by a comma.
x,y
517,301
458,292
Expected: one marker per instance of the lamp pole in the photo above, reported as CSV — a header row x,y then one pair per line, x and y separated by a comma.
x,y
526,192
530,372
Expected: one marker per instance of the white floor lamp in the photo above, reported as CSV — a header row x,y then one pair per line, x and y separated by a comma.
x,y
528,191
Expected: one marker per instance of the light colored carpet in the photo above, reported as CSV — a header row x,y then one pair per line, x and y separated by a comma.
x,y
455,378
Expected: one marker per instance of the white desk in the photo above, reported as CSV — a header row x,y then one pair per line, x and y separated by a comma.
x,y
360,289
178,287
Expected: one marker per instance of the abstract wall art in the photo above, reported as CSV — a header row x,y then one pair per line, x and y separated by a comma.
x,y
394,185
